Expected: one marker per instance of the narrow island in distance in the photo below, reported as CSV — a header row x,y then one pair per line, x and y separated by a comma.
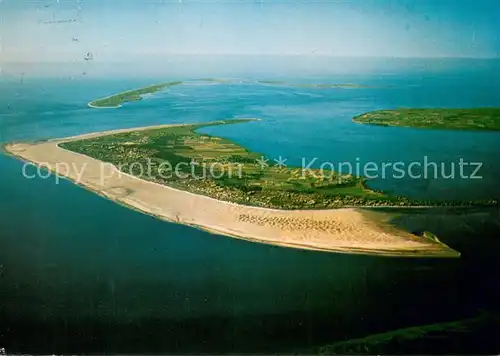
x,y
480,119
116,100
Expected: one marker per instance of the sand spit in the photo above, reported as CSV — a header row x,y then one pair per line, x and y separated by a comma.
x,y
346,230
90,105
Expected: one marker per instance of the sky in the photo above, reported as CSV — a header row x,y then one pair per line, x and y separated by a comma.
x,y
121,30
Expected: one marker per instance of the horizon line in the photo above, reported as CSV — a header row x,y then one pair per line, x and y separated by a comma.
x,y
167,56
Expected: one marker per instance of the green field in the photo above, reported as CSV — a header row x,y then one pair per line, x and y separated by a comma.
x,y
185,159
115,101
453,119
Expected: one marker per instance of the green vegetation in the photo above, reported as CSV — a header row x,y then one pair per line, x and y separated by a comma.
x,y
180,157
115,101
457,119
457,337
430,236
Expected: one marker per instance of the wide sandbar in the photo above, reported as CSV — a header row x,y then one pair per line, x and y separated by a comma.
x,y
346,230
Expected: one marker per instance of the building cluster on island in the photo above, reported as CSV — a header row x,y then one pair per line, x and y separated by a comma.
x,y
272,187
288,200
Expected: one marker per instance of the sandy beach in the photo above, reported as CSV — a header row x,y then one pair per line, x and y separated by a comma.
x,y
103,107
348,230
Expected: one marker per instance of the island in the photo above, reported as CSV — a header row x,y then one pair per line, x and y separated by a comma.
x,y
484,119
139,168
315,85
451,337
116,101
184,158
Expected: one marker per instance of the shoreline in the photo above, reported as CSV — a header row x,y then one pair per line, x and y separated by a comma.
x,y
478,119
90,105
129,95
343,230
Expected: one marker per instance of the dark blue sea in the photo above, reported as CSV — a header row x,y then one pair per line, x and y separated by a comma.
x,y
81,274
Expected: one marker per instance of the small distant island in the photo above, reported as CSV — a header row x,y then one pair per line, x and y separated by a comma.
x,y
115,101
480,119
329,85
315,85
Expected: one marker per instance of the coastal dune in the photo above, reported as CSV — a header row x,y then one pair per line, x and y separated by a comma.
x,y
346,230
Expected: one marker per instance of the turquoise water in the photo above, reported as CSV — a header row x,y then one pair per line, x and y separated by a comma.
x,y
82,274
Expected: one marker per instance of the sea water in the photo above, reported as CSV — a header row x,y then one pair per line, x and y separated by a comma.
x,y
79,273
